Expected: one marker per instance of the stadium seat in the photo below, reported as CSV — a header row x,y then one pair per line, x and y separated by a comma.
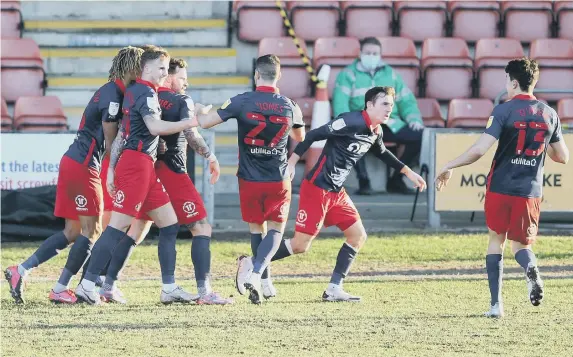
x,y
39,114
400,54
314,19
527,20
564,17
447,68
256,20
295,79
12,24
472,20
491,57
22,69
367,18
419,20
430,110
6,118
338,52
565,111
555,59
469,113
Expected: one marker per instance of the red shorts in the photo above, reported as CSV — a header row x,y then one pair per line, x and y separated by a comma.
x,y
137,186
516,216
79,191
318,207
264,201
107,199
184,197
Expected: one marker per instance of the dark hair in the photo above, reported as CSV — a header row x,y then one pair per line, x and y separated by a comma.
x,y
152,54
524,70
376,92
125,62
268,67
370,41
148,47
175,63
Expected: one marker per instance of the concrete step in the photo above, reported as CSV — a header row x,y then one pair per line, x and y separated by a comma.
x,y
95,61
113,33
106,10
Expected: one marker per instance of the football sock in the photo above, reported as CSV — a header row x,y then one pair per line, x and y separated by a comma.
x,y
118,261
524,257
201,257
256,239
101,254
47,250
266,250
168,253
494,266
344,260
79,254
285,250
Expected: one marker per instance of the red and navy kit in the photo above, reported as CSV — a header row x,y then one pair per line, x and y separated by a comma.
x,y
138,188
170,166
107,199
79,190
524,127
323,200
264,119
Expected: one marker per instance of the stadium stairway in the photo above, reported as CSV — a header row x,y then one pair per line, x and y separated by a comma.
x,y
78,43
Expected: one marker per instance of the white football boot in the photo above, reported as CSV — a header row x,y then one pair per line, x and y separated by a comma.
x,y
244,268
269,290
177,295
495,311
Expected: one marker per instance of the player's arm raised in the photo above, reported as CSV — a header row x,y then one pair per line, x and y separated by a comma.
x,y
557,149
148,106
297,133
230,109
391,160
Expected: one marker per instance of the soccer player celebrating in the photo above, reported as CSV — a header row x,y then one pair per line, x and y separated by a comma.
x,y
527,129
79,191
171,169
137,186
265,119
323,200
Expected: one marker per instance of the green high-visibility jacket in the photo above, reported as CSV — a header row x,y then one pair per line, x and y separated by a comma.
x,y
353,82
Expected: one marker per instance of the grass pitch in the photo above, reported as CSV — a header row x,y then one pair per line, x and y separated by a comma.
x,y
422,296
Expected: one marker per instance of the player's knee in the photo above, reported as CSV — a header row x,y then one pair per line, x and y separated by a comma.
x,y
201,228
300,245
72,230
91,230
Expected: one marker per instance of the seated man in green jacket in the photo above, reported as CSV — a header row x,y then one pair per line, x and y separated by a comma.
x,y
405,125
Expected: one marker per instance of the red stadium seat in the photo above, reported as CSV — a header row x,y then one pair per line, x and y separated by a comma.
x,y
430,110
472,20
491,57
11,21
6,118
565,111
314,19
555,59
527,20
400,54
256,20
447,68
39,114
22,69
419,20
338,52
564,16
368,18
469,113
295,79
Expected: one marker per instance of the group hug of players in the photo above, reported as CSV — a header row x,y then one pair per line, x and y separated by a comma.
x,y
126,169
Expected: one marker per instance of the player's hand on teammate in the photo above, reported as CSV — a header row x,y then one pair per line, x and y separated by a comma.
x,y
418,181
110,185
215,170
201,109
443,178
291,170
416,126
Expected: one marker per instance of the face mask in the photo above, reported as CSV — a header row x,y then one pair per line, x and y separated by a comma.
x,y
370,62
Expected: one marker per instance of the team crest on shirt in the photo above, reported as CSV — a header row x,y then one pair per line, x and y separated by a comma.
x,y
337,124
489,122
113,108
226,104
81,203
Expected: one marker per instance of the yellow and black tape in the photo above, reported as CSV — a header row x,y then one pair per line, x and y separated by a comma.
x,y
296,41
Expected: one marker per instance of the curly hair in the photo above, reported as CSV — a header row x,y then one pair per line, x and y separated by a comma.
x,y
126,61
175,63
